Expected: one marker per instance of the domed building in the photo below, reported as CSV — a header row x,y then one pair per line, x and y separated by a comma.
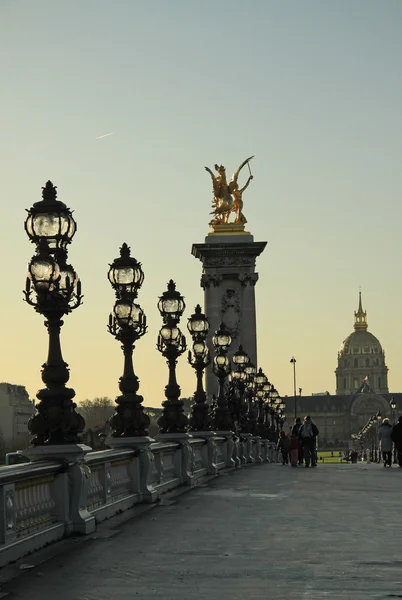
x,y
361,358
361,390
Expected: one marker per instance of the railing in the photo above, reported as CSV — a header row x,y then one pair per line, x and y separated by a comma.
x,y
42,502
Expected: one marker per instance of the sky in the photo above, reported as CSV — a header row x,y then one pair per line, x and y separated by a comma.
x,y
312,88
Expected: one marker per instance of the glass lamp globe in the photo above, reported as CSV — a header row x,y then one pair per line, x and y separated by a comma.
x,y
171,304
221,361
44,273
200,349
125,273
240,357
221,338
260,378
198,324
50,220
250,369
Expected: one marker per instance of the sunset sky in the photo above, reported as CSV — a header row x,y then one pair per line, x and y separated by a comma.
x,y
312,88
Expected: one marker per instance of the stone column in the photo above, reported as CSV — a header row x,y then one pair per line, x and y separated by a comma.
x,y
228,280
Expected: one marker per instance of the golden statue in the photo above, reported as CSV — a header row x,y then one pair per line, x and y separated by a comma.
x,y
228,196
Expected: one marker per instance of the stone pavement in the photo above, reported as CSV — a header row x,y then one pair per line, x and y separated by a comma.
x,y
265,532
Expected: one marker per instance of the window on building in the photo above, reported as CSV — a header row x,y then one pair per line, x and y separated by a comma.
x,y
356,349
379,382
376,349
355,363
344,383
355,383
367,362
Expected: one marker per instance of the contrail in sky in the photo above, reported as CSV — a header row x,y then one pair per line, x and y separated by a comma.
x,y
104,135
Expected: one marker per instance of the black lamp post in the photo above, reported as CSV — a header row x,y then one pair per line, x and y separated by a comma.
x,y
127,324
260,380
171,344
51,227
221,341
252,413
239,380
393,409
293,361
198,327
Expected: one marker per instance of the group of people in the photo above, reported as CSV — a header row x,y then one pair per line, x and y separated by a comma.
x,y
300,444
388,435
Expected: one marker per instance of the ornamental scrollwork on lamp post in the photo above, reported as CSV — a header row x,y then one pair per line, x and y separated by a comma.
x,y
171,344
221,341
198,327
127,324
54,290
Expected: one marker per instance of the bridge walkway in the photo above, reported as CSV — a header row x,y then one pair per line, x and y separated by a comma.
x,y
265,532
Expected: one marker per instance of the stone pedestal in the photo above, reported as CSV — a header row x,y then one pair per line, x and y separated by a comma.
x,y
228,258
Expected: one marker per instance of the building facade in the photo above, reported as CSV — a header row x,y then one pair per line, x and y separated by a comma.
x,y
361,389
15,410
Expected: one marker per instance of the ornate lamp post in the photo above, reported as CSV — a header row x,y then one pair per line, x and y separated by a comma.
x,y
127,324
252,414
221,367
57,291
293,361
393,411
239,380
392,405
198,327
260,380
171,344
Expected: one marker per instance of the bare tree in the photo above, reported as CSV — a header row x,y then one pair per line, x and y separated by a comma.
x,y
96,412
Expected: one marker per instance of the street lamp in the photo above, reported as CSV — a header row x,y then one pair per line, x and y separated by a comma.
x,y
393,409
260,380
221,341
252,414
171,344
238,380
57,290
293,361
127,324
198,327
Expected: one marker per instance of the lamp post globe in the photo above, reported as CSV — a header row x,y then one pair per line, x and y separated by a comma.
x,y
50,220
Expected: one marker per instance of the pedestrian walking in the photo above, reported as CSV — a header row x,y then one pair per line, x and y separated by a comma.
x,y
307,435
295,446
385,438
284,446
295,432
397,439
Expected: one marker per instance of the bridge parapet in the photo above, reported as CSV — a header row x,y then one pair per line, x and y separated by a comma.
x,y
44,501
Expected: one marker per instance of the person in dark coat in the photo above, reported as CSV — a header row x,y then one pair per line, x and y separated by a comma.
x,y
295,433
397,439
385,438
307,435
284,446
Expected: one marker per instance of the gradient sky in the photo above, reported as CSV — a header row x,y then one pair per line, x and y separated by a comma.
x,y
313,88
